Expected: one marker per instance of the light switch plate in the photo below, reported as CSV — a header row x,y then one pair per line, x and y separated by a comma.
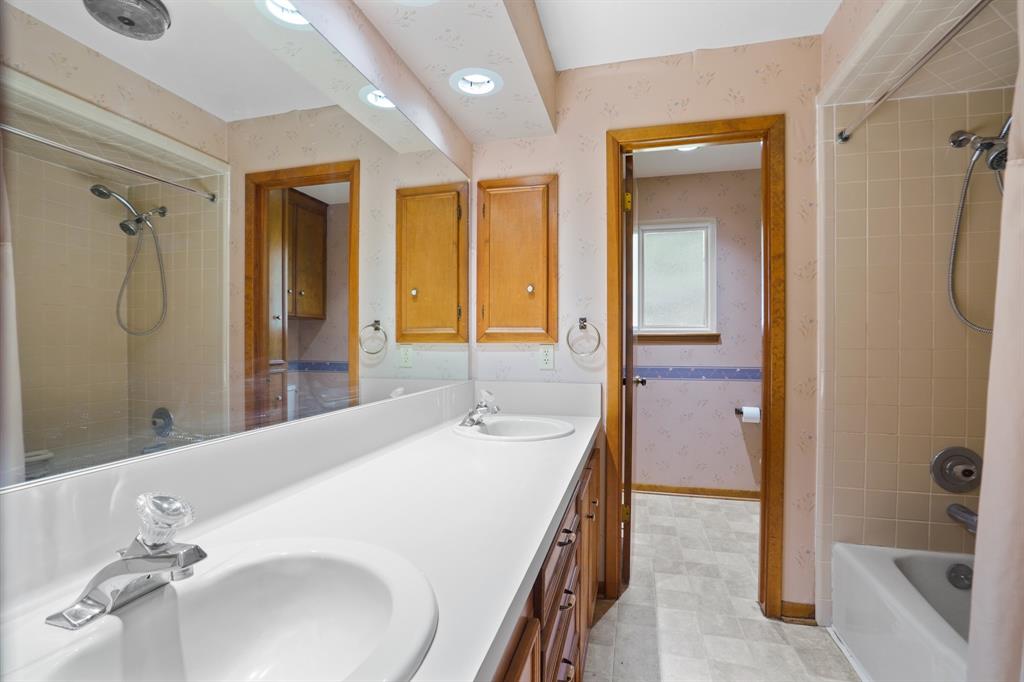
x,y
546,357
405,355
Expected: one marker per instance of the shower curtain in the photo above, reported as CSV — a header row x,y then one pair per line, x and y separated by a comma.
x,y
996,649
12,444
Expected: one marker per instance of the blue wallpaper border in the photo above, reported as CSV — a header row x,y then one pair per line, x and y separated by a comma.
x,y
694,373
317,366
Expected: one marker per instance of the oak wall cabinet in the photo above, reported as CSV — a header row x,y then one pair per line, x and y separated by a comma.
x,y
432,264
517,260
306,226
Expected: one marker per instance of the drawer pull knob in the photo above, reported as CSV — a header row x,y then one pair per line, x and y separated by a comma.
x,y
596,502
570,673
302,292
277,398
591,515
570,537
569,603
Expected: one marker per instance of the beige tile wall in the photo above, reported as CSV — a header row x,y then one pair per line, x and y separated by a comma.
x,y
68,261
904,378
182,366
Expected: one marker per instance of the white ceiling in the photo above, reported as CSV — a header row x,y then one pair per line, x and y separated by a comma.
x,y
589,32
236,62
436,40
331,193
715,158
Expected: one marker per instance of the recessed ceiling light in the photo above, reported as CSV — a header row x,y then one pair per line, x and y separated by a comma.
x,y
285,12
476,82
375,97
417,3
689,147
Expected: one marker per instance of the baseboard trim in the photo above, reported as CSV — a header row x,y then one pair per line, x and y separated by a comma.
x,y
726,493
797,612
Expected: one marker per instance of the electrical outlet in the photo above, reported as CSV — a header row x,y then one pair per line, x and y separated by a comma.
x,y
405,355
546,357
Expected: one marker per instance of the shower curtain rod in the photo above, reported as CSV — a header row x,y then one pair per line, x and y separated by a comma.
x,y
99,159
844,135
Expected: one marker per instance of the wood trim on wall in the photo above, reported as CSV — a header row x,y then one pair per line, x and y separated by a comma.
x,y
770,131
720,493
796,612
461,335
550,332
677,339
257,185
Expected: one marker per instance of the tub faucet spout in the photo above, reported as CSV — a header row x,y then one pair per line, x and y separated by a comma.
x,y
963,516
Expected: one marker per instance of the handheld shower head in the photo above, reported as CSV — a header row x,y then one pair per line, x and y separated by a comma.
x,y
101,191
129,227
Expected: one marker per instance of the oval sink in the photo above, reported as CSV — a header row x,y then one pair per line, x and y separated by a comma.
x,y
513,429
288,610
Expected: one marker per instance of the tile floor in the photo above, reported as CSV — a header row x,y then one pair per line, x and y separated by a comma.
x,y
690,612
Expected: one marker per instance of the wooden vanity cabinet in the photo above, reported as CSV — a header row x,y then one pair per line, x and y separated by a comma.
x,y
517,260
564,596
432,264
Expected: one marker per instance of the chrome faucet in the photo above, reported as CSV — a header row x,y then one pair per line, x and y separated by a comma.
x,y
964,516
151,561
483,408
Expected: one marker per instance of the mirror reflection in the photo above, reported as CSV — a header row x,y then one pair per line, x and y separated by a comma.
x,y
204,240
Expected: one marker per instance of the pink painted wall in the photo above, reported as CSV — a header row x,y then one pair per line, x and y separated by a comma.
x,y
688,434
845,28
780,77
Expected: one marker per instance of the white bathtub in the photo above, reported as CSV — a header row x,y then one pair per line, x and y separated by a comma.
x,y
898,615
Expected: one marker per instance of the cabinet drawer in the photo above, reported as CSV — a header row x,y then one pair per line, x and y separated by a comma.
x,y
561,626
563,550
570,666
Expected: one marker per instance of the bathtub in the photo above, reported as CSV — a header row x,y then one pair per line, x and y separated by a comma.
x,y
897,615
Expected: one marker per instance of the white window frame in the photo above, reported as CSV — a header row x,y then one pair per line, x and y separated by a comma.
x,y
710,227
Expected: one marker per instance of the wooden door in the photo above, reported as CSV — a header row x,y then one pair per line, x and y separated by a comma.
x,y
432,273
307,226
517,260
629,380
277,273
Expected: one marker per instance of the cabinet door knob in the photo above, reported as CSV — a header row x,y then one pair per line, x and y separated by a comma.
x,y
277,317
277,398
302,292
529,288
640,381
415,292
591,515
290,290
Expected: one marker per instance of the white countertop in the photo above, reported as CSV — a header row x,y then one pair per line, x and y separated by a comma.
x,y
475,517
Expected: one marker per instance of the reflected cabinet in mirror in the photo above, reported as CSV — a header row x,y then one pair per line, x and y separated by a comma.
x,y
197,256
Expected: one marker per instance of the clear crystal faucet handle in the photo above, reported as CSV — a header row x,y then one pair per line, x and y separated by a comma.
x,y
161,516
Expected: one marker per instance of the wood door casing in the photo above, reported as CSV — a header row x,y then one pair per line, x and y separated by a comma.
x,y
769,130
517,260
307,237
432,254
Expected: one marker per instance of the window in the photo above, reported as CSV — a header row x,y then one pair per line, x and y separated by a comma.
x,y
674,278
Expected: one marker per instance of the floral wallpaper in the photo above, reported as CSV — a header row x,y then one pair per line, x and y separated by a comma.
x,y
687,432
766,78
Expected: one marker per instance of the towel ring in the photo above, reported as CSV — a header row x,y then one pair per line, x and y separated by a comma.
x,y
375,326
582,325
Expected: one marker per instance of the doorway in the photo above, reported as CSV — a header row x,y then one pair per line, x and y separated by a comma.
x,y
302,291
666,299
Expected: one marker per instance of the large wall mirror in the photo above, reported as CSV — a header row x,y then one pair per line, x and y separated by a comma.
x,y
205,240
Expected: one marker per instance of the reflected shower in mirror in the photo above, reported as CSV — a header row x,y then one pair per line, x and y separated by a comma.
x,y
157,305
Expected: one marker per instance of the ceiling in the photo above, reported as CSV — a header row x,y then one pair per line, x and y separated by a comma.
x,y
715,158
588,32
437,39
982,56
234,61
331,193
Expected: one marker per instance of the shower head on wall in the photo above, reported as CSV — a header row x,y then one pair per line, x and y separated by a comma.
x,y
129,227
138,19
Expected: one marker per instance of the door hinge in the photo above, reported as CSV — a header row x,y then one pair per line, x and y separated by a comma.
x,y
458,312
458,211
627,201
625,513
483,210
